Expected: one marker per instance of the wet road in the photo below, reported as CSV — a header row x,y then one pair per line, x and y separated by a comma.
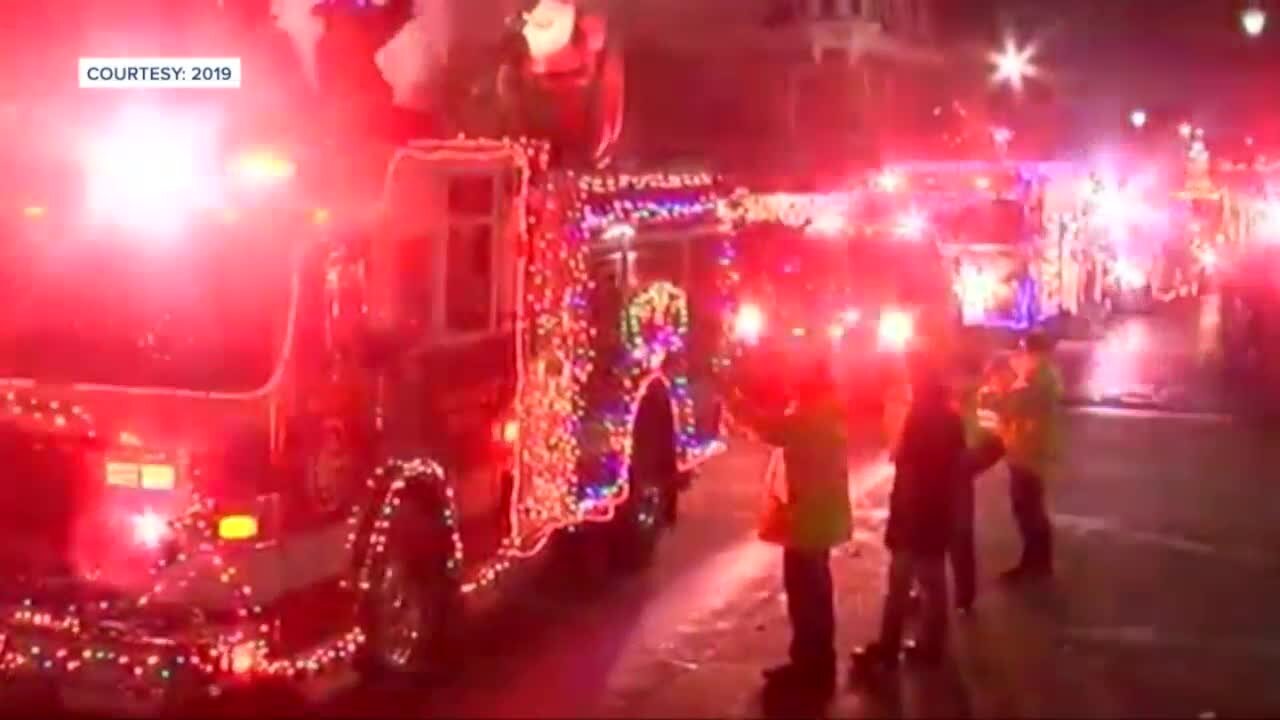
x,y
1166,600
1167,360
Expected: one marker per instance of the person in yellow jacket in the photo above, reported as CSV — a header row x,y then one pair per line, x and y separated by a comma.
x,y
1030,421
808,513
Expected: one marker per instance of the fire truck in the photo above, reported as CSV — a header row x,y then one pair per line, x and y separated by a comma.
x,y
1248,290
1014,248
266,447
256,441
816,276
983,216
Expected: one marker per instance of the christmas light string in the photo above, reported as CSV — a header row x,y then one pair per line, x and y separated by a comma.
x,y
795,210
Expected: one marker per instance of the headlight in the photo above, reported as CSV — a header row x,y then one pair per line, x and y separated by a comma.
x,y
1208,259
150,528
152,168
259,168
978,290
748,324
897,328
1129,275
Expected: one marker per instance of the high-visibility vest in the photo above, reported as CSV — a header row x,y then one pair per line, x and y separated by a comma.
x,y
813,511
1032,416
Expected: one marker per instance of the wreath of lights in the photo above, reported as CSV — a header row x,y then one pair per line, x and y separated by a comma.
x,y
655,328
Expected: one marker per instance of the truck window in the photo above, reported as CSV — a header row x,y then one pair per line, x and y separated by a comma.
x,y
658,260
469,278
998,222
471,196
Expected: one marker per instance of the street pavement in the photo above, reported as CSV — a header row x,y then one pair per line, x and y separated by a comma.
x,y
1165,601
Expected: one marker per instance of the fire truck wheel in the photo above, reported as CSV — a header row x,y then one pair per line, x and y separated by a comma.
x,y
409,602
639,522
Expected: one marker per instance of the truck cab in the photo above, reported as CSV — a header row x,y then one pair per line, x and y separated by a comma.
x,y
863,295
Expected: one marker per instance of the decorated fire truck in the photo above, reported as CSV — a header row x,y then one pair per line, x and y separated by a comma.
x,y
262,448
254,441
1008,232
1248,273
817,276
983,216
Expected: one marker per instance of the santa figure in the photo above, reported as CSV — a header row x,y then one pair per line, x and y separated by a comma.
x,y
562,80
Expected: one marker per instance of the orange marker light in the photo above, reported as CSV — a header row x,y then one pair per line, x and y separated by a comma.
x,y
238,527
264,168
121,474
158,477
509,432
147,476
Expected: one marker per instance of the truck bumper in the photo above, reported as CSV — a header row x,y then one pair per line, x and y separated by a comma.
x,y
113,667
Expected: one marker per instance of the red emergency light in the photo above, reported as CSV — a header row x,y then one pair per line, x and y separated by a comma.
x,y
152,168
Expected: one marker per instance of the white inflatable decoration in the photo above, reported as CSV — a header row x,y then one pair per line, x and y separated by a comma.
x,y
548,28
407,61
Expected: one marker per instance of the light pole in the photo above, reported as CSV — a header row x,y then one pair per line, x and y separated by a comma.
x,y
1253,20
1013,64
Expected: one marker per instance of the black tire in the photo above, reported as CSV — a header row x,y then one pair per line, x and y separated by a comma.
x,y
410,601
638,524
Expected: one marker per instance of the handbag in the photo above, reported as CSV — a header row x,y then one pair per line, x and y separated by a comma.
x,y
774,525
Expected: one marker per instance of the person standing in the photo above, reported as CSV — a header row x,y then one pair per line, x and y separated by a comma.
x,y
1030,412
984,450
929,464
808,513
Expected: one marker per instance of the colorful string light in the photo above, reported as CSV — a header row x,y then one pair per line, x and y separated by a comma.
x,y
790,209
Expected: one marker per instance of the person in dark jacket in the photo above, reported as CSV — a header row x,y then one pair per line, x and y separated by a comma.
x,y
930,463
985,449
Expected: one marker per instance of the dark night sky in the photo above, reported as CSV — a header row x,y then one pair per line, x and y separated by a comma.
x,y
1176,57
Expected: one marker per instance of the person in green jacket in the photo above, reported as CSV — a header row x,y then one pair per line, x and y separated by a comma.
x,y
808,513
1030,415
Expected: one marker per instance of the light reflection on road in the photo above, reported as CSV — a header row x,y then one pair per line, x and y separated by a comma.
x,y
1116,364
1167,359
